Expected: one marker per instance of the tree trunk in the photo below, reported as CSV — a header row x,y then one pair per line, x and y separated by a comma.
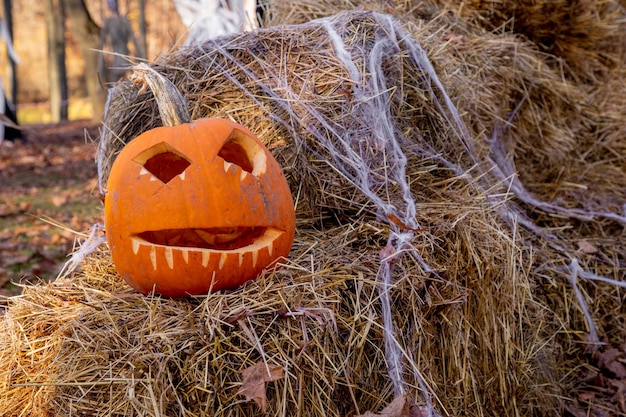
x,y
55,28
87,34
143,42
11,87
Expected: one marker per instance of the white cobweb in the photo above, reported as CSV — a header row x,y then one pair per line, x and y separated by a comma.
x,y
208,19
368,149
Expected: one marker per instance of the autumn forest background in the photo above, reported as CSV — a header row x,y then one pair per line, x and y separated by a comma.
x,y
163,31
48,186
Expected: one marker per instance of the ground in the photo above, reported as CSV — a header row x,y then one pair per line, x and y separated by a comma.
x,y
48,197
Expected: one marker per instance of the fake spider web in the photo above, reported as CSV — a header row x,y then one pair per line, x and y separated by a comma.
x,y
367,147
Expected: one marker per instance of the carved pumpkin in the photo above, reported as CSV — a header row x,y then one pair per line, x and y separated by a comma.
x,y
196,207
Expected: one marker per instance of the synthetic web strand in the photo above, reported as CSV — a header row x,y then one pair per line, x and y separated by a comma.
x,y
373,101
593,333
366,148
88,246
505,171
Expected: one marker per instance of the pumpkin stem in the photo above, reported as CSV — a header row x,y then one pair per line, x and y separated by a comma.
x,y
171,103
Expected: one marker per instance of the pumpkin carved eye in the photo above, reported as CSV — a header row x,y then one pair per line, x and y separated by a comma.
x,y
245,152
163,162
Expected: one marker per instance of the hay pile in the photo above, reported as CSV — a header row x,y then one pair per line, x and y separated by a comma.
x,y
423,268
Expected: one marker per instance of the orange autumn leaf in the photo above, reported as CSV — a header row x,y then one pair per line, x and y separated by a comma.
x,y
254,379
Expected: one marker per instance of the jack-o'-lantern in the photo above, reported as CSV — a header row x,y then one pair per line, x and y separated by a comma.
x,y
196,207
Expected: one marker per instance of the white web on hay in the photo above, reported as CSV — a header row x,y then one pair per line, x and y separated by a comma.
x,y
367,148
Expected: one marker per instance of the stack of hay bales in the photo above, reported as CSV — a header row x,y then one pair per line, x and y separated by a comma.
x,y
481,309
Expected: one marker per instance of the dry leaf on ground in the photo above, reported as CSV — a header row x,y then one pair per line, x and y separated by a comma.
x,y
399,407
254,379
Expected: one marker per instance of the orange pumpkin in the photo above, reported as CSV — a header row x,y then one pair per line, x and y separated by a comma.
x,y
196,207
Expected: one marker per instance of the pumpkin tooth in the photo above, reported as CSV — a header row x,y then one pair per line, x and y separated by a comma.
x,y
153,257
185,255
227,165
255,256
136,245
143,171
153,178
223,257
169,257
182,176
243,175
270,247
241,254
205,258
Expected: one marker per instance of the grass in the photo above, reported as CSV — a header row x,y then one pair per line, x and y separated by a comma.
x,y
48,191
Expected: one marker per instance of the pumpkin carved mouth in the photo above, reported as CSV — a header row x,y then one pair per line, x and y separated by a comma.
x,y
221,242
216,238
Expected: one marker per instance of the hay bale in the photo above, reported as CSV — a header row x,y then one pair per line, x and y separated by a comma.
x,y
270,81
112,352
586,35
555,80
549,71
406,233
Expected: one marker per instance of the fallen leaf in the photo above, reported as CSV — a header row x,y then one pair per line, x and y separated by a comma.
x,y
620,393
399,407
396,220
24,206
586,395
586,247
576,412
415,411
610,361
59,200
16,259
254,379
